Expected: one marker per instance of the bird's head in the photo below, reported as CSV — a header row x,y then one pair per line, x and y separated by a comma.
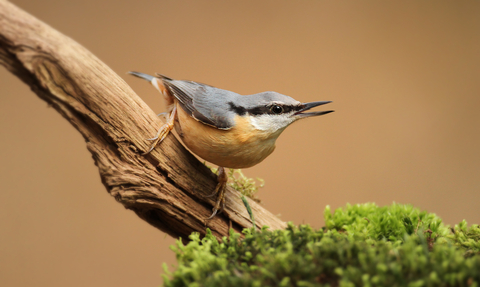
x,y
272,112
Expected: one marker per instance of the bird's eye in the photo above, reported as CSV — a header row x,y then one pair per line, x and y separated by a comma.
x,y
276,109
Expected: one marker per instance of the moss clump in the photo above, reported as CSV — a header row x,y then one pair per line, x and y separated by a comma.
x,y
361,245
373,223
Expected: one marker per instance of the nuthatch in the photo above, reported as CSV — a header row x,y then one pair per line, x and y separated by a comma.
x,y
223,127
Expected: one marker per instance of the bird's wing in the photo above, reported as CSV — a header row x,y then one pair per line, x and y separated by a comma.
x,y
201,102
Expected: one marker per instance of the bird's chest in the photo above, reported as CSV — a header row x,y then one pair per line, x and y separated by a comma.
x,y
239,147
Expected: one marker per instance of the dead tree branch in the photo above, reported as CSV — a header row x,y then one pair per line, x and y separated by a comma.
x,y
165,188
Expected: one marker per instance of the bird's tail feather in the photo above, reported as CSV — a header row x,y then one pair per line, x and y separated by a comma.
x,y
142,76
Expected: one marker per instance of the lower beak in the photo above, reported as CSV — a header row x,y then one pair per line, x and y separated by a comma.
x,y
308,106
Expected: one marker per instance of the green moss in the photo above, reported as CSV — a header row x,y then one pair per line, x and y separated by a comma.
x,y
361,245
372,223
467,238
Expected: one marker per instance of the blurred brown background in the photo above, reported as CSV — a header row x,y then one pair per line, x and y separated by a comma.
x,y
403,77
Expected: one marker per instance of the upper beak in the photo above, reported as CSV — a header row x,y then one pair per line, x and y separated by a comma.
x,y
307,106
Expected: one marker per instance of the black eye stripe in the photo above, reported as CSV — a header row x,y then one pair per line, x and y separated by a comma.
x,y
263,110
268,109
287,109
237,109
290,108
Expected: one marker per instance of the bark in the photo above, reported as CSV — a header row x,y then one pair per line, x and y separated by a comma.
x,y
167,187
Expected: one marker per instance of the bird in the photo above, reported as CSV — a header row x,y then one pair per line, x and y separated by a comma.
x,y
225,128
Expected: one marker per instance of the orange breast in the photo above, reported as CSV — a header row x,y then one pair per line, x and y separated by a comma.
x,y
240,147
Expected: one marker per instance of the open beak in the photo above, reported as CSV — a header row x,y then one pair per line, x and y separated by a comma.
x,y
308,106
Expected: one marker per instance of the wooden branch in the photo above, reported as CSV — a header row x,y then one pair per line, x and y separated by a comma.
x,y
166,188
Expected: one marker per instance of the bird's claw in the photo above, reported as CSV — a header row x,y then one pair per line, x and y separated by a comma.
x,y
220,191
211,195
213,215
163,131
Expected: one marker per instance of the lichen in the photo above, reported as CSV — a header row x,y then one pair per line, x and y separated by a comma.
x,y
245,185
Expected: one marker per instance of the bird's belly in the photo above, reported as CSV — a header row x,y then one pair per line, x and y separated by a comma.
x,y
234,148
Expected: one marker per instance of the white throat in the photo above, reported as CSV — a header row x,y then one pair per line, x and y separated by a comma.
x,y
271,124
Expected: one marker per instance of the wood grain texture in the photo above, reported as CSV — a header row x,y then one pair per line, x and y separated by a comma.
x,y
167,187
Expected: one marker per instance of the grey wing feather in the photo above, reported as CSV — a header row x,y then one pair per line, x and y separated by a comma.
x,y
204,103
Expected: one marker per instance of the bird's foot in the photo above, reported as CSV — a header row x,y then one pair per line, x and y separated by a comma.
x,y
220,192
164,114
163,131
